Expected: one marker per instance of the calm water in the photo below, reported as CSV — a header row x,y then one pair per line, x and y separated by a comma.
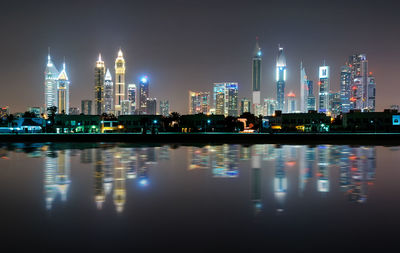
x,y
261,197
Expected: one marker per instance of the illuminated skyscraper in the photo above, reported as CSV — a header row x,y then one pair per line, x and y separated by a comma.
x,y
270,106
291,102
199,102
310,98
50,84
303,89
323,103
99,72
86,107
125,107
256,78
164,108
132,96
108,93
245,105
226,99
119,82
143,94
280,79
371,93
345,88
335,103
63,92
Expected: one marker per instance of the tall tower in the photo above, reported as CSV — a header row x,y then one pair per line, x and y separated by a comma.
x,y
226,99
99,72
50,84
280,79
256,78
345,88
143,94
323,103
132,97
108,93
63,92
119,82
303,89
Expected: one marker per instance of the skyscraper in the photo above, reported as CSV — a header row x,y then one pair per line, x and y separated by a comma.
x,y
335,103
86,107
323,103
345,88
132,97
63,92
270,106
164,108
108,93
199,102
119,82
280,79
143,94
245,105
303,89
50,84
371,93
310,98
291,102
151,106
99,72
256,78
226,99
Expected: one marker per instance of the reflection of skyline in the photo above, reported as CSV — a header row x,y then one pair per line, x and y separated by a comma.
x,y
298,169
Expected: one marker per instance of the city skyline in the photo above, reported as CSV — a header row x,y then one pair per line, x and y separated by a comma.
x,y
170,72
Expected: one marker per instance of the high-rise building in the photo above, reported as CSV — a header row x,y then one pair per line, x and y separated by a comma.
x,y
86,107
323,95
132,97
143,94
256,78
125,107
108,93
164,108
199,102
245,105
270,106
50,84
335,103
99,72
280,79
119,82
371,93
345,88
151,106
63,92
310,98
303,89
291,102
226,99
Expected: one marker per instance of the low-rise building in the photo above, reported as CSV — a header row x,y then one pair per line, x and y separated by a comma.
x,y
202,123
386,121
77,123
139,123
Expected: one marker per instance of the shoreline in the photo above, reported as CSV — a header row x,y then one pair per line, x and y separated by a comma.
x,y
213,138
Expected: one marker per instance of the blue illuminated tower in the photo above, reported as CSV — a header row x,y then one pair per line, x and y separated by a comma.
x,y
143,94
280,79
323,103
256,78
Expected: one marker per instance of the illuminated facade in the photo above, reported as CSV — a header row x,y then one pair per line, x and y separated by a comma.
x,y
226,99
303,89
323,101
245,105
108,93
256,78
199,102
143,94
164,108
50,84
345,88
291,102
119,83
99,72
335,103
311,103
50,171
132,97
270,106
119,195
125,107
63,92
280,79
99,195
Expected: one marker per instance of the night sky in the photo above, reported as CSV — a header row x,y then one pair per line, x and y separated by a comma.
x,y
188,45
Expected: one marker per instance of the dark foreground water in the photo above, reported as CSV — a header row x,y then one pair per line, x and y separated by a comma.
x,y
110,197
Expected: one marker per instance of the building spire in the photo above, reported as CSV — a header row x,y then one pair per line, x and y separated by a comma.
x,y
99,57
120,53
257,49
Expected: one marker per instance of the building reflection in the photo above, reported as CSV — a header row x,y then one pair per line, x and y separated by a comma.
x,y
280,180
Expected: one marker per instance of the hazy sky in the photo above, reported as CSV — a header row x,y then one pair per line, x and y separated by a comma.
x,y
188,45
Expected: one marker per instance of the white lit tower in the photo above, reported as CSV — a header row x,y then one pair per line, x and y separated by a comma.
x,y
99,72
108,93
63,92
280,79
50,84
303,89
119,83
256,79
323,100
